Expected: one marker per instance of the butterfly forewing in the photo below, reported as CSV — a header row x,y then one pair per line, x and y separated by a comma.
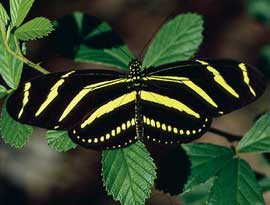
x,y
212,87
60,100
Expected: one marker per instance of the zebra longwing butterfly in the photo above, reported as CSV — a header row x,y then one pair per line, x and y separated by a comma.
x,y
103,109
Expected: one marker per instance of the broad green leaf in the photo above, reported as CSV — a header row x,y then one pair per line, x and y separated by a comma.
x,y
3,91
257,139
177,40
128,174
59,141
3,15
260,10
236,185
34,29
19,10
13,132
206,160
10,67
88,39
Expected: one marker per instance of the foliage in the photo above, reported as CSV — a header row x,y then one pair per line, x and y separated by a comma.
x,y
129,173
59,141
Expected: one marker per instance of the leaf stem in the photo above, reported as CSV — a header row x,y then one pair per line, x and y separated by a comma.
x,y
20,56
230,137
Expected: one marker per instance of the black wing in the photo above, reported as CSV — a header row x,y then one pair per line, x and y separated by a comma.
x,y
60,100
212,87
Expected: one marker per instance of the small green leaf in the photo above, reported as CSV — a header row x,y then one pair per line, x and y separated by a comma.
x,y
34,29
3,15
265,184
257,139
13,132
259,9
59,141
128,174
88,39
177,40
3,91
207,160
10,67
19,10
236,185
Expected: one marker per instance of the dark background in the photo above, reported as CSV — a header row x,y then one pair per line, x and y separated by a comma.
x,y
37,175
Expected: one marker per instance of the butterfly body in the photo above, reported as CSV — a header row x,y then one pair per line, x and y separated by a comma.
x,y
171,103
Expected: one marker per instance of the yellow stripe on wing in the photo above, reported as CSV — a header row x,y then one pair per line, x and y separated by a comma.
x,y
246,78
84,92
188,83
27,87
53,93
168,102
219,79
109,107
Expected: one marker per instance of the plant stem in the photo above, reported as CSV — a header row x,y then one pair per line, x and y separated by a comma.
x,y
228,136
20,56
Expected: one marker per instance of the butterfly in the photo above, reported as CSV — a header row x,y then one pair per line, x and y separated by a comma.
x,y
168,104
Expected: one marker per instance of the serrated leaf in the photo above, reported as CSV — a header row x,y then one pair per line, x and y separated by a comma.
x,y
3,15
236,185
13,132
257,139
177,40
19,10
34,29
59,141
3,91
128,174
88,39
10,67
206,160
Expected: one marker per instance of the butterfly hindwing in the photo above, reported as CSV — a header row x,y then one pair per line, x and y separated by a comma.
x,y
60,100
212,87
109,126
168,121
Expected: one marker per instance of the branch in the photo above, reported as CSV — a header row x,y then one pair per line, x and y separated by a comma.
x,y
20,56
230,137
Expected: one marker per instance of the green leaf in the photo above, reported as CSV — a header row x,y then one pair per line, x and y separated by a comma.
x,y
19,10
88,39
3,15
10,67
177,40
236,185
259,9
128,174
59,141
199,194
206,160
3,91
257,139
265,184
13,132
34,29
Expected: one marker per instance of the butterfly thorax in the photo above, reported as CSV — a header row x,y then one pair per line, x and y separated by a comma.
x,y
135,73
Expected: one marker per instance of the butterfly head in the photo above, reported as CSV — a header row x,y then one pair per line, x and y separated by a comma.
x,y
135,71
